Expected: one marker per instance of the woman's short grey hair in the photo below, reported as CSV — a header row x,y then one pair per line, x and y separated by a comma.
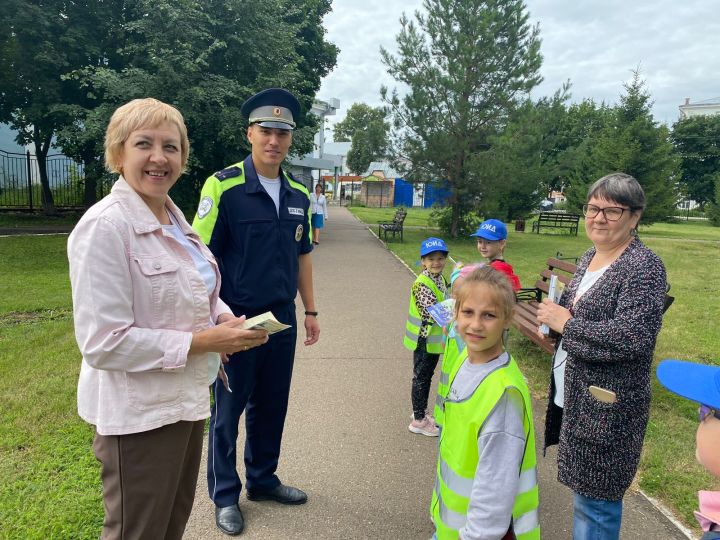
x,y
620,188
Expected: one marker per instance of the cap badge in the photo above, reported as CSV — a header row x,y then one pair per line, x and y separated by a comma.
x,y
277,112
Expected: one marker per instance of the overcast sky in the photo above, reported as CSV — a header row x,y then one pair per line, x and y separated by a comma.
x,y
596,44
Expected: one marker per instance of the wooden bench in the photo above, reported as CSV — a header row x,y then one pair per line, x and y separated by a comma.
x,y
525,317
395,226
557,220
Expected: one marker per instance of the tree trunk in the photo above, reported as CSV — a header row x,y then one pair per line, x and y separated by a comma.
x,y
93,173
42,146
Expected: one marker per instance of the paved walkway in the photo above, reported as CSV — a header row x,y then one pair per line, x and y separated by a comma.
x,y
346,440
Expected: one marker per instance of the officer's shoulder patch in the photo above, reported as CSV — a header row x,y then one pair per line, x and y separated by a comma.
x,y
230,172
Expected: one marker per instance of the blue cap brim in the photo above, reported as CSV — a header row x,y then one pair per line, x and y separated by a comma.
x,y
696,382
482,234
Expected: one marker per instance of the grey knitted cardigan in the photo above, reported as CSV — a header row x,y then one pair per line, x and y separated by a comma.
x,y
610,342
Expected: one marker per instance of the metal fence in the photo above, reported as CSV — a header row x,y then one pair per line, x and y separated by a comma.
x,y
20,187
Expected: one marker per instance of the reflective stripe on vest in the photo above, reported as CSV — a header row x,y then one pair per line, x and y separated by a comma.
x,y
453,347
458,459
434,342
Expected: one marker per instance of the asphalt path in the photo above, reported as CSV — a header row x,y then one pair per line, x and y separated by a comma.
x,y
346,441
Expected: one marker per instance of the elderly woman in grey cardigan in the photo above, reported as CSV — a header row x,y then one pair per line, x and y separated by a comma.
x,y
609,318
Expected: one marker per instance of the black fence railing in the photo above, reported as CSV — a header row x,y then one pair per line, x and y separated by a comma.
x,y
20,187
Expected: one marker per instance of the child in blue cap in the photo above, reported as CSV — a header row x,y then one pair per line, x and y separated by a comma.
x,y
701,384
491,240
422,335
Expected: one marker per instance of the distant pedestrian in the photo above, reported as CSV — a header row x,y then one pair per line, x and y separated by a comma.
x,y
319,212
486,484
423,335
701,384
491,241
608,317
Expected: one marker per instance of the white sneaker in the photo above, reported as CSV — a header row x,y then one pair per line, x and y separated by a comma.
x,y
426,426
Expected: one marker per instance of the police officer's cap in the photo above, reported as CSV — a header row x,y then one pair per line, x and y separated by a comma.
x,y
272,108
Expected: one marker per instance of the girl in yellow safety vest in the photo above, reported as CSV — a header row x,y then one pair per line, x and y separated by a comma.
x,y
486,485
422,335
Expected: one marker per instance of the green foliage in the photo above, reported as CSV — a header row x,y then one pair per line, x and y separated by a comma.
x,y
632,142
442,218
523,162
208,58
697,142
368,129
714,207
467,65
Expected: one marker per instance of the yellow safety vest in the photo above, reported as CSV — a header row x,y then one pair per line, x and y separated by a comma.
x,y
434,341
458,456
453,348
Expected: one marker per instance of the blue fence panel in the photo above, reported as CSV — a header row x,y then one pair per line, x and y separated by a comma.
x,y
403,193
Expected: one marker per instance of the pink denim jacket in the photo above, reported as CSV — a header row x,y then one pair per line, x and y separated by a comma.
x,y
137,299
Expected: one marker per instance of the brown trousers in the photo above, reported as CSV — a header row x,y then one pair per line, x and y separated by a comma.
x,y
149,481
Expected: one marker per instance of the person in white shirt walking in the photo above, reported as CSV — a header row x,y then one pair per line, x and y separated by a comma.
x,y
319,213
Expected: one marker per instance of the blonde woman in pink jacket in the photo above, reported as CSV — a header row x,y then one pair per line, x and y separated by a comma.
x,y
150,326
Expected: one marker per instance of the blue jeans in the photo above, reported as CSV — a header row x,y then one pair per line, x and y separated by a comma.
x,y
595,519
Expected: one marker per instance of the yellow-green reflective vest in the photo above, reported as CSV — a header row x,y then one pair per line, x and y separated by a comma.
x,y
453,346
434,343
458,456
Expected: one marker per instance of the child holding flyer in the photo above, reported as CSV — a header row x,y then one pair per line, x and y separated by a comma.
x,y
701,384
486,484
422,335
491,241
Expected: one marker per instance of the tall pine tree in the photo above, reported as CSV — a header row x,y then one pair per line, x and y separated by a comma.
x,y
634,143
467,64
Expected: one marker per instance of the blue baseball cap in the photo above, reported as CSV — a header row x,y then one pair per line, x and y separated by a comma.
x,y
433,244
696,382
491,229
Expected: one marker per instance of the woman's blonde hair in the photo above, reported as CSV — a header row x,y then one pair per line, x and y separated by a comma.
x,y
139,114
497,282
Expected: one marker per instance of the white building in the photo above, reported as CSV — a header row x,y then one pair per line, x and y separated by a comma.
x,y
701,108
308,168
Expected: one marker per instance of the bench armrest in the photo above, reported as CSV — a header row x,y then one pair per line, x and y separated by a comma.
x,y
528,294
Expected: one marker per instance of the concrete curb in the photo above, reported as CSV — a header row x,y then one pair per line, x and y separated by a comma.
x,y
664,510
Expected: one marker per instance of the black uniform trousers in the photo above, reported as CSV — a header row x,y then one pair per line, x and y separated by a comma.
x,y
260,382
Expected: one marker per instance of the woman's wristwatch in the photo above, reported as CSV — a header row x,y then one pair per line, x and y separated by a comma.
x,y
313,313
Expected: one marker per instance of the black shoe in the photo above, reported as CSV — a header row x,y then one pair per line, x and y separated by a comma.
x,y
229,519
282,494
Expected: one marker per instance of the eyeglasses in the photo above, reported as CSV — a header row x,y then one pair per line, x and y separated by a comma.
x,y
704,412
611,213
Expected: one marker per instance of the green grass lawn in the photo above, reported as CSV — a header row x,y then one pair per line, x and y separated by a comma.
x,y
50,484
416,217
691,253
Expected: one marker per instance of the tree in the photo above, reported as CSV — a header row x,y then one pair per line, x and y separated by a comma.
x,y
466,64
714,206
204,64
523,162
697,142
368,129
633,143
39,43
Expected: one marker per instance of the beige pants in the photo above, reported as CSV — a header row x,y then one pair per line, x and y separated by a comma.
x,y
149,481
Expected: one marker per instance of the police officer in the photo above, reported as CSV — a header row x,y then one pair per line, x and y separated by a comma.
x,y
256,220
